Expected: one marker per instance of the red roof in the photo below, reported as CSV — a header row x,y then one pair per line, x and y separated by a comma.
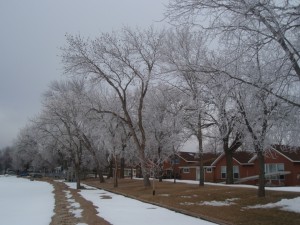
x,y
208,157
292,153
243,157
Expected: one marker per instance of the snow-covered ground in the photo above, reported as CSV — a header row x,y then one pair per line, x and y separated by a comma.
x,y
25,202
120,210
32,203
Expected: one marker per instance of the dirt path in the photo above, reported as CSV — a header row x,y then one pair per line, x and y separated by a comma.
x,y
65,199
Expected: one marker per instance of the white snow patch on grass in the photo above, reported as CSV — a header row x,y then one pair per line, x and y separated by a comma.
x,y
74,206
227,202
164,195
217,203
292,205
289,189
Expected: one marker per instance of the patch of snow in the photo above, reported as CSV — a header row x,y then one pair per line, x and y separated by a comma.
x,y
288,189
186,196
217,203
77,212
67,194
227,202
74,206
164,195
292,205
121,210
17,194
187,203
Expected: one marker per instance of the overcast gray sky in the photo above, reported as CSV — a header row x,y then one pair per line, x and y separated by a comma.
x,y
31,33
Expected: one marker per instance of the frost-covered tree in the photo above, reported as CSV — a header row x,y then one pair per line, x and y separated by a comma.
x,y
124,63
5,159
115,138
227,120
61,119
258,110
164,124
185,52
27,149
270,26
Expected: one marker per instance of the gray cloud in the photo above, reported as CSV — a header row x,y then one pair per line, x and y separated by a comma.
x,y
32,32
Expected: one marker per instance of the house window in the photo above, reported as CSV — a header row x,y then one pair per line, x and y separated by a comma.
x,y
235,170
185,170
223,172
208,170
271,168
175,161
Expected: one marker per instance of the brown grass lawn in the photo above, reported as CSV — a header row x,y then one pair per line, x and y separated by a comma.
x,y
186,198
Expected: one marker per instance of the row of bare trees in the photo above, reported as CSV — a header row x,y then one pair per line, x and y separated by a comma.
x,y
256,44
229,76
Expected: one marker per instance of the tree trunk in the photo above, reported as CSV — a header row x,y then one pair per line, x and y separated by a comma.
x,y
146,180
160,166
100,174
122,168
200,141
229,167
77,175
160,175
261,180
116,173
174,175
110,169
201,169
145,171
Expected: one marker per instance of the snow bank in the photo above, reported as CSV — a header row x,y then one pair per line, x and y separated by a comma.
x,y
25,202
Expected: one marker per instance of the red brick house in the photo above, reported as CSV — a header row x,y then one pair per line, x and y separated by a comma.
x,y
185,166
242,166
281,158
282,166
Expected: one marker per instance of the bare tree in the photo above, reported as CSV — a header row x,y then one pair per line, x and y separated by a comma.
x,y
185,51
272,25
61,119
126,62
6,159
227,120
164,123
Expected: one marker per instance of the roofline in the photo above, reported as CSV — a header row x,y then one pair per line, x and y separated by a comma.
x,y
185,159
223,153
253,158
283,154
272,148
217,159
195,167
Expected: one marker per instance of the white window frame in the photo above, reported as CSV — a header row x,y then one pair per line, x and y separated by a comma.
x,y
185,170
274,167
236,172
208,170
223,172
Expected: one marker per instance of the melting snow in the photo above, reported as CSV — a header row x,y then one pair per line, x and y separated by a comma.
x,y
292,205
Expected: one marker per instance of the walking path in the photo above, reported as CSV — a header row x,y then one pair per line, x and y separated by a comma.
x,y
72,209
